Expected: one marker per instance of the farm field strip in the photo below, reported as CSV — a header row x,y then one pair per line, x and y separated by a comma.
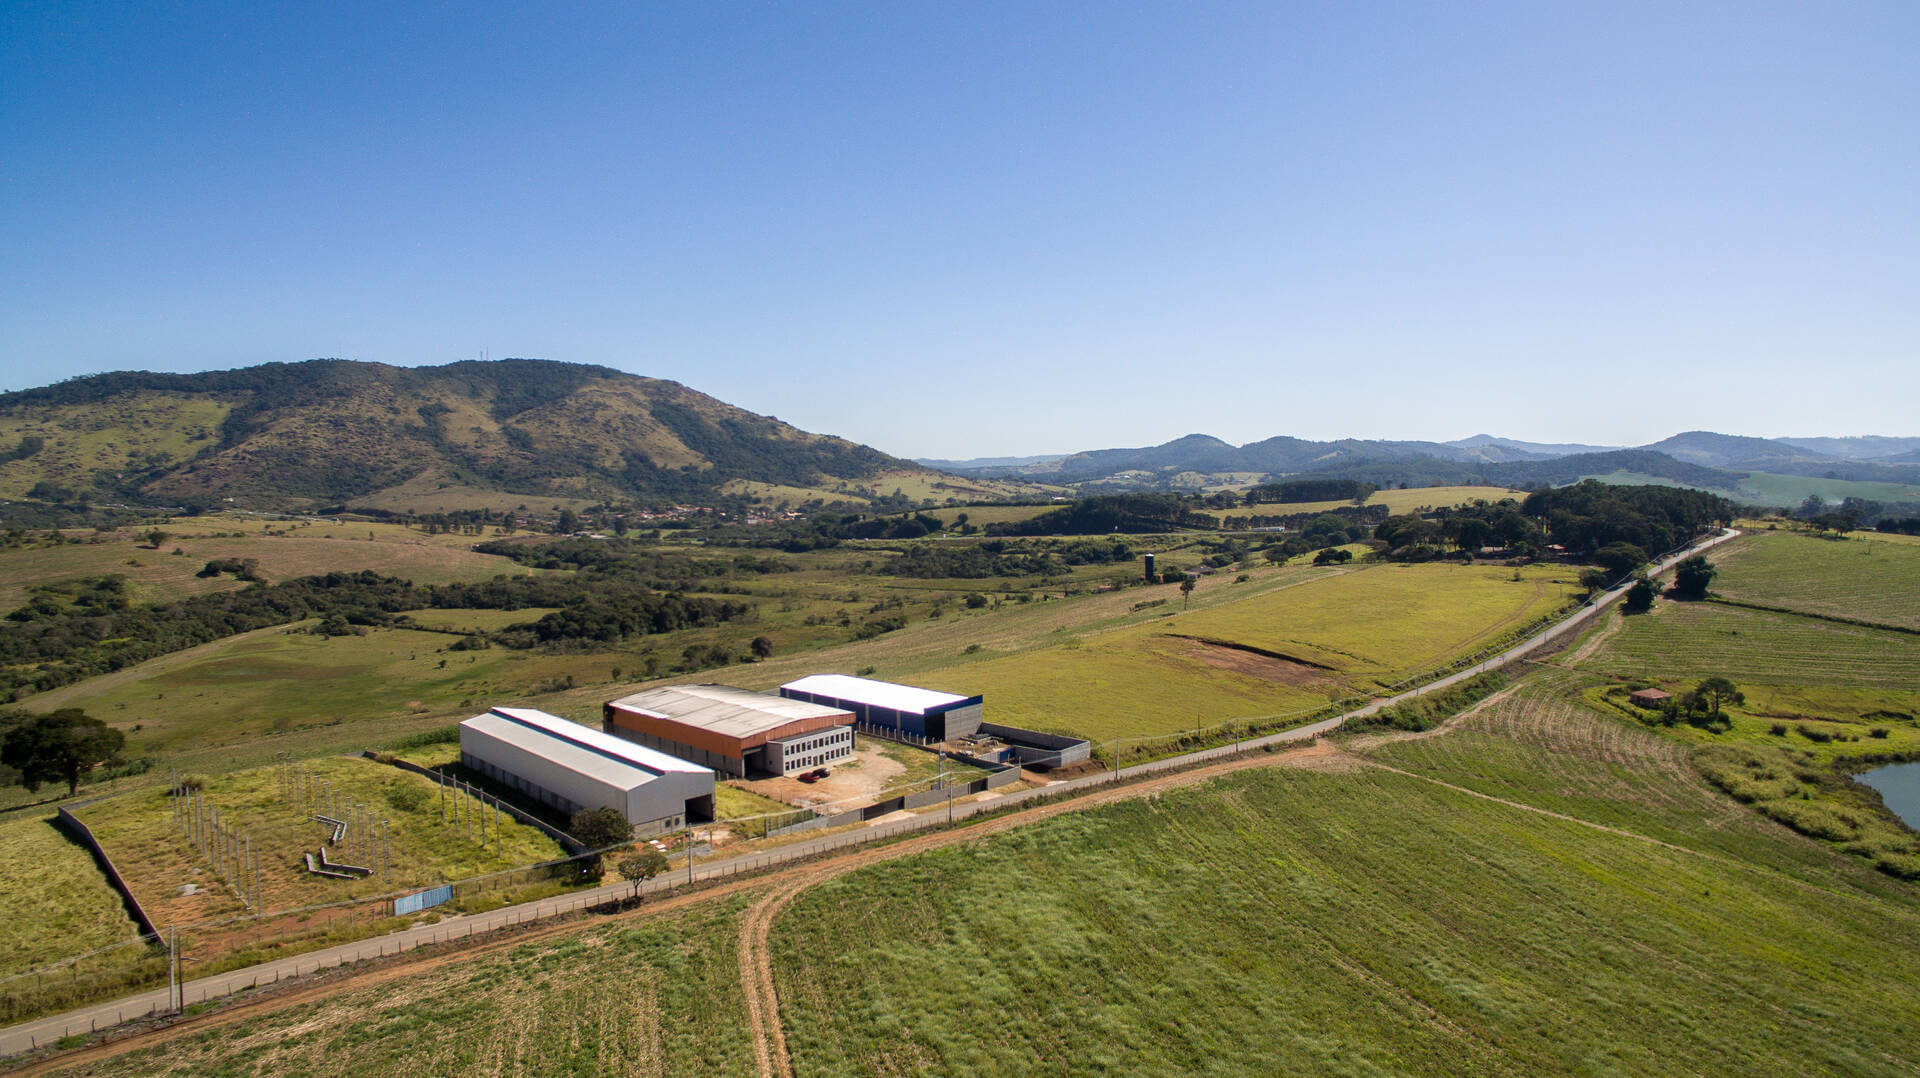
x,y
1862,579
1296,921
1679,640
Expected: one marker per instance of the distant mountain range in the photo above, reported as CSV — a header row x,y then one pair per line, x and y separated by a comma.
x,y
474,434
333,431
1694,458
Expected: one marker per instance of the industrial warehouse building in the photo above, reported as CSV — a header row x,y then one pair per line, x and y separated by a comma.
x,y
573,767
937,716
734,731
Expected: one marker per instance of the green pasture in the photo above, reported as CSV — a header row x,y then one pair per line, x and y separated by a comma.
x,y
429,845
1389,622
655,996
1765,488
1680,643
54,903
1410,500
1121,685
284,550
1351,633
242,692
1549,742
1862,578
1366,922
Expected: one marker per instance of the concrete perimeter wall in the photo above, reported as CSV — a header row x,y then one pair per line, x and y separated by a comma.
x,y
72,825
1035,749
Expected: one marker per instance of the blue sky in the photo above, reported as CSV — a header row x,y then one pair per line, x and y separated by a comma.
x,y
967,230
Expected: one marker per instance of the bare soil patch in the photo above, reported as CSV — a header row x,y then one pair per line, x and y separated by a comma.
x,y
1252,663
853,783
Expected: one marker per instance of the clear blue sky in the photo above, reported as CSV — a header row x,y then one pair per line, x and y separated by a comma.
x,y
965,230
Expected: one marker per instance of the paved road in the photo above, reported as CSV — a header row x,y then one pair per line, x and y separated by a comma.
x,y
30,1035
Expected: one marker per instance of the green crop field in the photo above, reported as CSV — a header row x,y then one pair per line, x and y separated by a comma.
x,y
138,831
1683,642
1296,923
659,996
1357,923
53,902
1856,578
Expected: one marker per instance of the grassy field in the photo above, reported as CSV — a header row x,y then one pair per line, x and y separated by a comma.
x,y
53,901
1788,491
1854,578
1346,634
138,832
1360,923
660,996
1413,499
233,693
1683,642
283,550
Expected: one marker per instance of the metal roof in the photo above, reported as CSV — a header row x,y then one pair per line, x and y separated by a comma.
x,y
580,748
723,709
876,693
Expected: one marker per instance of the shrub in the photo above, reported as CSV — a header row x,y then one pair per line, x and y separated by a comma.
x,y
1778,729
1815,733
1878,731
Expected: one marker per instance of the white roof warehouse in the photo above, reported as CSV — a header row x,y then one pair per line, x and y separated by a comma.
x,y
572,767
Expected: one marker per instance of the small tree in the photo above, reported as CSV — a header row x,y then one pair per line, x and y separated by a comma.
x,y
155,537
1186,593
599,829
762,647
640,866
62,746
1640,596
1692,576
1715,691
569,522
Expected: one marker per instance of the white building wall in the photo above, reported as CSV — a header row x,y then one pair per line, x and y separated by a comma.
x,y
808,751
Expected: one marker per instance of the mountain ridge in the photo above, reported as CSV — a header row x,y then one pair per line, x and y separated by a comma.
x,y
334,431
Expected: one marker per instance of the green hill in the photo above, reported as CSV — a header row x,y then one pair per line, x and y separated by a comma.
x,y
334,431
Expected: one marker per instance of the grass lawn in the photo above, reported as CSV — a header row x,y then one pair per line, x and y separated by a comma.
x,y
659,996
1852,578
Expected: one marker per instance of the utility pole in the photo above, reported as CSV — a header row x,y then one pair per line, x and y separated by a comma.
x,y
173,969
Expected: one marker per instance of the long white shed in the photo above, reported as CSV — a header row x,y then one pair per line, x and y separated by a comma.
x,y
573,767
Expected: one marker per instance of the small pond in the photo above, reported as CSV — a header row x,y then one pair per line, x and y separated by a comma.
x,y
1899,787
